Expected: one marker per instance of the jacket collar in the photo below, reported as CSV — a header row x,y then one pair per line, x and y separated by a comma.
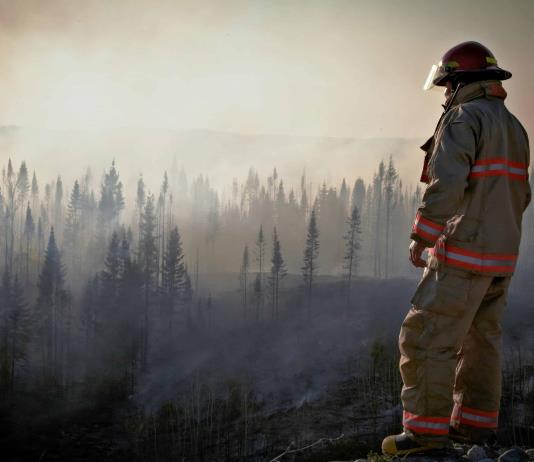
x,y
481,89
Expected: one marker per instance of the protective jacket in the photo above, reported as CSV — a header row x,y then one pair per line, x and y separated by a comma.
x,y
478,184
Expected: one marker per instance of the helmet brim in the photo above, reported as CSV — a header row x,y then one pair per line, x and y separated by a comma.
x,y
490,73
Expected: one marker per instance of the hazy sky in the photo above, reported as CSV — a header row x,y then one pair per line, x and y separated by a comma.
x,y
332,68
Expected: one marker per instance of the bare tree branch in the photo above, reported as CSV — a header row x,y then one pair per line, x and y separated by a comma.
x,y
290,451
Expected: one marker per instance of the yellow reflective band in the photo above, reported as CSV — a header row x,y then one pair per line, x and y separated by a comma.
x,y
452,64
491,60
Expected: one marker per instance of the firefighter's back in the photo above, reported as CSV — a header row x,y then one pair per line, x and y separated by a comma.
x,y
489,219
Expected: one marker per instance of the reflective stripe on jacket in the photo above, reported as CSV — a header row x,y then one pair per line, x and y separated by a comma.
x,y
478,185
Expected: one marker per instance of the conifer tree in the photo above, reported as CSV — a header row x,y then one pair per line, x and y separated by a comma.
x,y
260,258
58,209
162,202
378,184
140,202
311,254
352,246
23,183
278,272
111,275
40,243
390,179
52,304
172,277
72,226
111,199
148,261
304,206
35,192
29,230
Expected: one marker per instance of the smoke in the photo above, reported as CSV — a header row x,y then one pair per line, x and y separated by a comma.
x,y
290,86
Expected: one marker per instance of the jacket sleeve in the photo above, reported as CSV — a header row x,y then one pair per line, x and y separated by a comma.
x,y
449,168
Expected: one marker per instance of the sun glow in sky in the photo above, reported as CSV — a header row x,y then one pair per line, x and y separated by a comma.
x,y
326,68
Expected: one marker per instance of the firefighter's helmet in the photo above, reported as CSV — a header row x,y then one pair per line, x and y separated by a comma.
x,y
466,62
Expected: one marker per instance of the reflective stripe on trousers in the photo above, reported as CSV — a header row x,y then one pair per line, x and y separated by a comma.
x,y
462,415
425,424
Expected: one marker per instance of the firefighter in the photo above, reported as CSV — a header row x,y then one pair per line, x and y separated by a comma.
x,y
476,170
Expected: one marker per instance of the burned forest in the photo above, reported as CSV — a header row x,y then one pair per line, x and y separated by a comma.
x,y
176,320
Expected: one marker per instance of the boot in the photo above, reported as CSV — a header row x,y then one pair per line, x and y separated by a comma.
x,y
402,445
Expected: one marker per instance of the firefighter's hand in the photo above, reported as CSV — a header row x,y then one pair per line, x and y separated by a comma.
x,y
416,250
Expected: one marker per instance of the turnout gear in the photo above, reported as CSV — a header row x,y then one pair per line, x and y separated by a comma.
x,y
466,62
478,185
450,344
470,218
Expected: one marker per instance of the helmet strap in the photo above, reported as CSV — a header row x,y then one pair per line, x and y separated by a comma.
x,y
457,86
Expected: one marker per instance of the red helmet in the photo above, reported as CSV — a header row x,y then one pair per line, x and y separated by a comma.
x,y
466,62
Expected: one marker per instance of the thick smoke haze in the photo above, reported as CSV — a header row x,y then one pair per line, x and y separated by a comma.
x,y
338,69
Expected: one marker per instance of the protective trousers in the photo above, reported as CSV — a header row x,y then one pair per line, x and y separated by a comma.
x,y
450,344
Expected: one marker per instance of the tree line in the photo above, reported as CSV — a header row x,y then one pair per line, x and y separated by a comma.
x,y
134,270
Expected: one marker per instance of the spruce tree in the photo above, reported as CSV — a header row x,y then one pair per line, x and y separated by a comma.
x,y
378,184
52,304
29,231
40,243
148,261
111,276
58,209
172,277
111,199
390,179
260,259
352,246
35,192
311,254
304,206
278,272
140,202
72,239
23,183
